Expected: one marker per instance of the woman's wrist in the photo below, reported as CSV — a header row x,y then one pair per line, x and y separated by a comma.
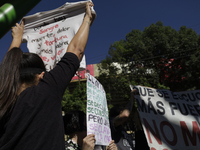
x,y
87,19
16,41
18,37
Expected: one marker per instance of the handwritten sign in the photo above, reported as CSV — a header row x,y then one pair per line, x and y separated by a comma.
x,y
49,33
97,112
170,119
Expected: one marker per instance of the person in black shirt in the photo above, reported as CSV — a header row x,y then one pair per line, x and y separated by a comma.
x,y
122,139
30,98
117,118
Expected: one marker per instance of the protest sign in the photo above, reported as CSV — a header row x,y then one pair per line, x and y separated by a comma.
x,y
49,33
170,119
97,112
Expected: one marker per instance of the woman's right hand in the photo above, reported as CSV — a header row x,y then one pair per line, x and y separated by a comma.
x,y
112,145
88,11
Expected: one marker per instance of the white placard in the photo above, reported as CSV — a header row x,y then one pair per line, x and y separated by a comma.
x,y
97,112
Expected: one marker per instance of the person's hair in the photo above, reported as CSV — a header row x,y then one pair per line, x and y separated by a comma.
x,y
16,68
74,122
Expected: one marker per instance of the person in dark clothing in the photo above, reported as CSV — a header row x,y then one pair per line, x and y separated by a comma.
x,y
117,118
140,139
122,139
30,98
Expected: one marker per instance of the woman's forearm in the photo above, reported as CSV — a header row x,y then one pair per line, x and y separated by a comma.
x,y
16,42
79,41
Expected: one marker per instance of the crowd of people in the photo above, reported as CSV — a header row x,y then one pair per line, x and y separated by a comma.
x,y
30,100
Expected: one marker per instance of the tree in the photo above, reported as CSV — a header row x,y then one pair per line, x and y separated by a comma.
x,y
158,57
75,98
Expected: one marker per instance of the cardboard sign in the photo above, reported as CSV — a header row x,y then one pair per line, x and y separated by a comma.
x,y
97,112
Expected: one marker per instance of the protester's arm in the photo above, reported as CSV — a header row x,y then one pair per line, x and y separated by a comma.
x,y
17,33
89,142
123,116
79,41
112,145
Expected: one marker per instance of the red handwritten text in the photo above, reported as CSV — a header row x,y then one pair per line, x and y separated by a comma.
x,y
57,53
44,58
48,29
49,43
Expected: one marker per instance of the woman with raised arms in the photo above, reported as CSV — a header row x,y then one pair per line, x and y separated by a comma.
x,y
30,98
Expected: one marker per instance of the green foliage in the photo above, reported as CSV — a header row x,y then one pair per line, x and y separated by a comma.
x,y
108,97
158,57
77,100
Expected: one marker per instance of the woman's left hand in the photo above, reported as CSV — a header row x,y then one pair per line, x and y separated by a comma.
x,y
17,31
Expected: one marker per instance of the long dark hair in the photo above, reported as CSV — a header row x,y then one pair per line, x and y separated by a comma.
x,y
15,69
